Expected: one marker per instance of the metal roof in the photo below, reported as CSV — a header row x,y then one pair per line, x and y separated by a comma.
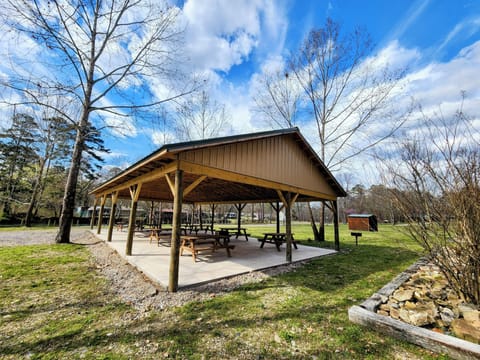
x,y
213,187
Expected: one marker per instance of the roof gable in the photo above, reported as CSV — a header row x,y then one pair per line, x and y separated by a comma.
x,y
280,159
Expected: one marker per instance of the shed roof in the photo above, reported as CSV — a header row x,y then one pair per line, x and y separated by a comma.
x,y
234,169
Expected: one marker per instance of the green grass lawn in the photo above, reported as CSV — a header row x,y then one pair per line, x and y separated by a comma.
x,y
54,305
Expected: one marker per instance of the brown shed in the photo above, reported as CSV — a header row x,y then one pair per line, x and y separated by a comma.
x,y
272,166
362,222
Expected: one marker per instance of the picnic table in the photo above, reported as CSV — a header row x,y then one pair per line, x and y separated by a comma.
x,y
276,238
190,228
235,231
120,225
195,228
205,242
160,235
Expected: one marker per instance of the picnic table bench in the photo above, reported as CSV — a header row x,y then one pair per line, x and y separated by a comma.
x,y
236,231
276,238
205,242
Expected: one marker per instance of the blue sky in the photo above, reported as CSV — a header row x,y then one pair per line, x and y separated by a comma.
x,y
437,41
233,42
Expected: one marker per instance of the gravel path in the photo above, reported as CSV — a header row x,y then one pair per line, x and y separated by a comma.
x,y
131,285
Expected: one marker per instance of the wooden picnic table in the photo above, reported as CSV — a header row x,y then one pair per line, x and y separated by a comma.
x,y
190,228
235,231
276,238
205,242
195,228
160,235
120,225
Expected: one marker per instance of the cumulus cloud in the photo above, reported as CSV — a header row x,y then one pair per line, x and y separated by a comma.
x,y
121,126
442,82
221,34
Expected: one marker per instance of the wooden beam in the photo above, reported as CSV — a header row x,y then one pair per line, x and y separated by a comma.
x,y
150,176
105,187
335,226
193,185
329,206
100,215
176,232
288,226
134,193
92,219
282,198
441,343
295,197
250,180
213,206
239,208
276,206
277,213
170,184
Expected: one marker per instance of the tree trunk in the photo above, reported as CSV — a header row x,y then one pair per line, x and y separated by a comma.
x,y
35,192
321,230
68,204
316,234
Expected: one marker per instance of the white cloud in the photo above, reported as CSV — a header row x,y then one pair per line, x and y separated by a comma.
x,y
221,34
160,138
395,56
121,126
438,83
413,13
464,29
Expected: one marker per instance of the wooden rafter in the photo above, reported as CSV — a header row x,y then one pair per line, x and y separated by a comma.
x,y
193,185
190,167
170,184
135,191
150,176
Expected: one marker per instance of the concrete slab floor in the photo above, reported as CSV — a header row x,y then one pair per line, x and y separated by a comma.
x,y
154,260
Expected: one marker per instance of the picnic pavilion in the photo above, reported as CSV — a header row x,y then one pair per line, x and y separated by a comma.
x,y
277,167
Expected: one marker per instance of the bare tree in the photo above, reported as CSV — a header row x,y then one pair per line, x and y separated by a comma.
x,y
347,93
200,117
277,99
99,55
437,186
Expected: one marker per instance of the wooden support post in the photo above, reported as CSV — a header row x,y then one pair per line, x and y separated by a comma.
x,y
288,202
277,213
288,226
277,209
239,208
176,232
92,219
112,216
200,221
134,194
335,225
100,215
213,206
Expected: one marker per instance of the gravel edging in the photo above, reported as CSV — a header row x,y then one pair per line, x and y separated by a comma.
x,y
127,282
36,237
138,290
